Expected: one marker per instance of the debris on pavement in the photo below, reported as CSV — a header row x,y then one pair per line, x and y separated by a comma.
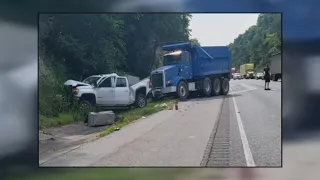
x,y
161,105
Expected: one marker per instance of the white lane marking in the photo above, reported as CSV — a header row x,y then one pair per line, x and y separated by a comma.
x,y
245,143
243,91
247,88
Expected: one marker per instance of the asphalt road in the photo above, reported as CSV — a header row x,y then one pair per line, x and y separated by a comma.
x,y
241,129
260,113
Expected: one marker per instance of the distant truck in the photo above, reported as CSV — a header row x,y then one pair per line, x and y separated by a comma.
x,y
233,70
247,71
109,90
191,68
275,67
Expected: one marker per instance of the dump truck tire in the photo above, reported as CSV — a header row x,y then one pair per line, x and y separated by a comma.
x,y
216,87
182,91
224,86
207,87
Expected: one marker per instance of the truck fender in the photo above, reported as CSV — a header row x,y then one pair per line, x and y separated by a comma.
x,y
89,97
142,89
176,80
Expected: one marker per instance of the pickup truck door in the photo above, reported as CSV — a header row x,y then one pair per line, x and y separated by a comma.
x,y
121,91
105,92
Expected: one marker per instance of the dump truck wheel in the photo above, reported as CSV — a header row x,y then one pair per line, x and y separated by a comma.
x,y
207,87
216,87
224,86
182,91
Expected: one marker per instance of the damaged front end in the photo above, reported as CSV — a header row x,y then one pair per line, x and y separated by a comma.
x,y
72,90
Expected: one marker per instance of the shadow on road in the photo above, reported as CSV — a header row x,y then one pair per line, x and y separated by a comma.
x,y
233,95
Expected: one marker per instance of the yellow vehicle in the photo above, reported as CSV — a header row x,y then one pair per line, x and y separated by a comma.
x,y
247,71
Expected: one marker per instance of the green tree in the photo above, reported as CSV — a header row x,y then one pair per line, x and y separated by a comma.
x,y
74,46
196,41
258,42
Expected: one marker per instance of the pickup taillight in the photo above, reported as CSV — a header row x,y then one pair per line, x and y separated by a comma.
x,y
150,84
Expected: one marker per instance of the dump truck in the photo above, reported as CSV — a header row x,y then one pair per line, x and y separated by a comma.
x,y
247,71
189,68
275,67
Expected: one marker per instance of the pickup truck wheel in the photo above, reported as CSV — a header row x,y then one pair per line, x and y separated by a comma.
x,y
84,108
182,91
216,87
85,105
224,86
207,87
141,101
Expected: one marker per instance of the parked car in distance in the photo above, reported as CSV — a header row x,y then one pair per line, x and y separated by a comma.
x,y
236,76
259,76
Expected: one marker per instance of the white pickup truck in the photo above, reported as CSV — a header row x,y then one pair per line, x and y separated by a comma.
x,y
109,90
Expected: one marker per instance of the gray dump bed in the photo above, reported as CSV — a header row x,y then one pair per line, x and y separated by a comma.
x,y
132,79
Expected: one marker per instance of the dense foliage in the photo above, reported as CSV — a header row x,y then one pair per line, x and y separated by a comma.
x,y
74,46
258,43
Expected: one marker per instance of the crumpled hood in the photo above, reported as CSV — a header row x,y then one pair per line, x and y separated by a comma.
x,y
75,83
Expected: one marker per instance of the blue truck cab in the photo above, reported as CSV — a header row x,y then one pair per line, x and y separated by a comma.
x,y
188,67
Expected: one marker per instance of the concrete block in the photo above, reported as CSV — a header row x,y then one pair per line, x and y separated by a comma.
x,y
101,118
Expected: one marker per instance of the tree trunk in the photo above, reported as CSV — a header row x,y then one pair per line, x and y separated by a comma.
x,y
154,51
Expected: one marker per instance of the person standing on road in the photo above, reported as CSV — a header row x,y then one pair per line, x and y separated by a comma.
x,y
267,77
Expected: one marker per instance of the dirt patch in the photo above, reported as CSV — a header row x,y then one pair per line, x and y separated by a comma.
x,y
58,140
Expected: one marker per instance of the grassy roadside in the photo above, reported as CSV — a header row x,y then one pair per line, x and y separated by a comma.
x,y
62,119
129,116
111,173
137,113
